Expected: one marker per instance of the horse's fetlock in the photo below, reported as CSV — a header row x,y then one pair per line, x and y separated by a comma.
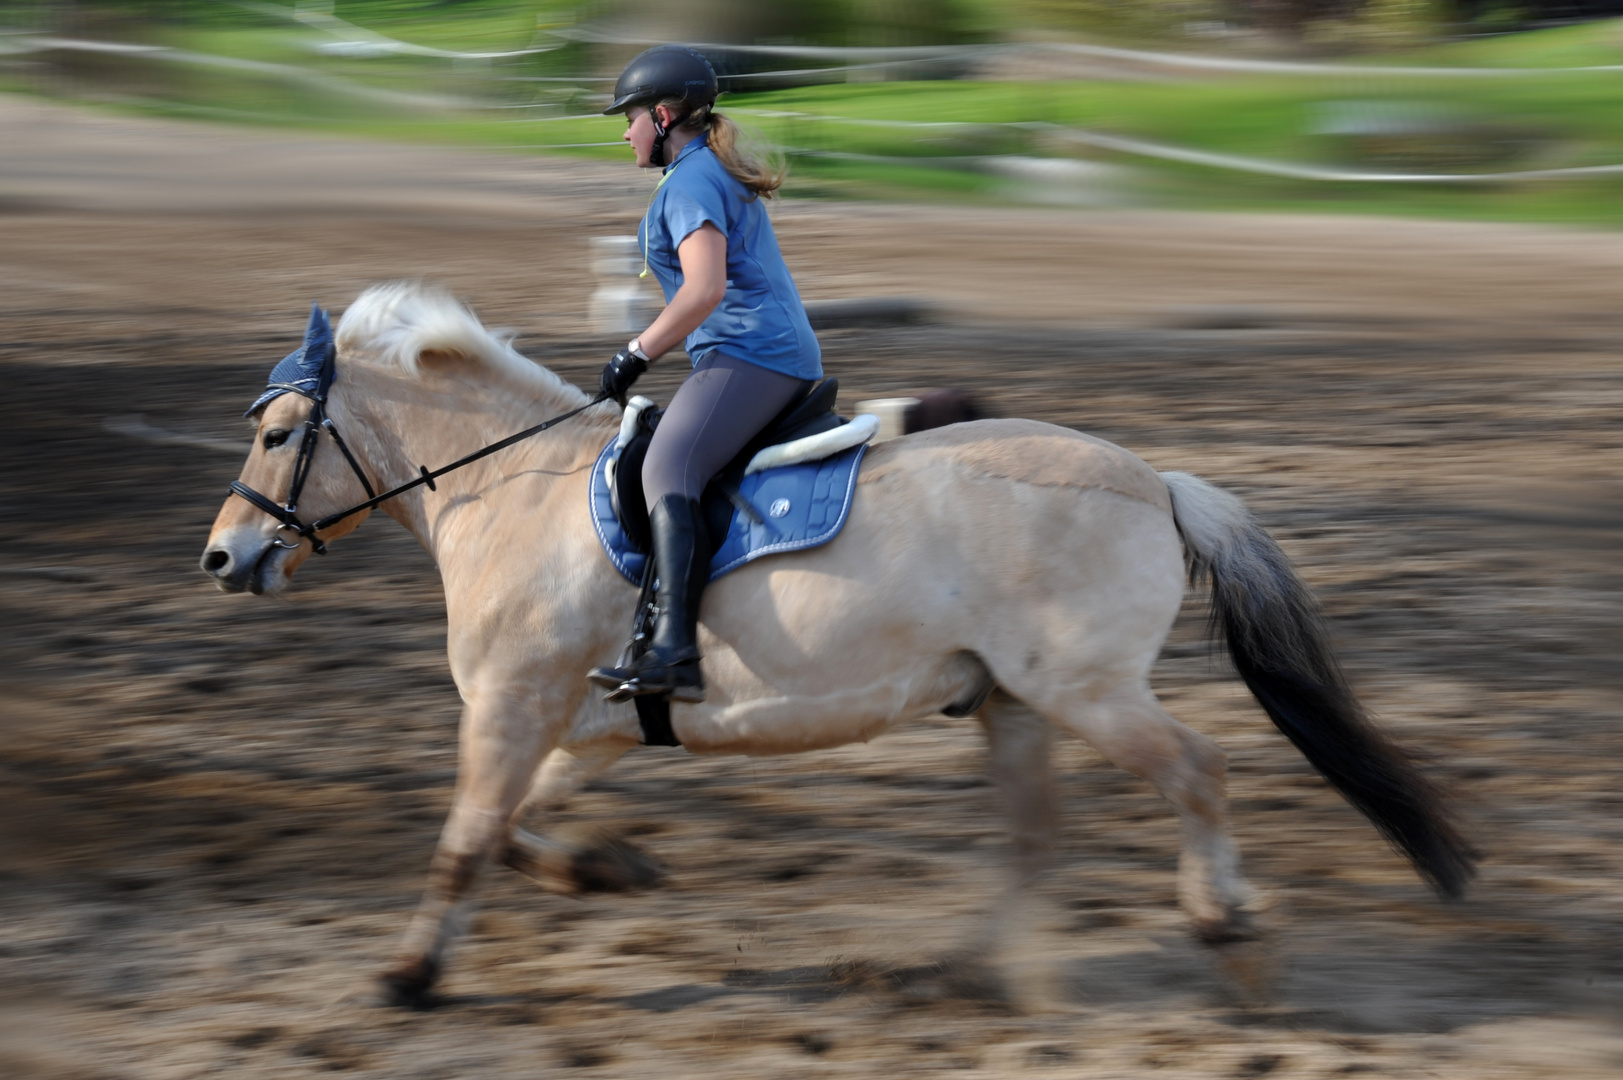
x,y
453,875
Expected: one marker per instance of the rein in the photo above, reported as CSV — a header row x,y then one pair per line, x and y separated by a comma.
x,y
317,422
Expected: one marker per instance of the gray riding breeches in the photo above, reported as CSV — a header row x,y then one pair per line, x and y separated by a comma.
x,y
719,408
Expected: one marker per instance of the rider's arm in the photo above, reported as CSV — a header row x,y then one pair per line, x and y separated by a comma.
x,y
703,255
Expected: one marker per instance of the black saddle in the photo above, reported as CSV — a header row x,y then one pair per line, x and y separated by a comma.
x,y
812,413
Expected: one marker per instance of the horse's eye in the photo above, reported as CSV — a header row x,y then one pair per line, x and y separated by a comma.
x,y
276,437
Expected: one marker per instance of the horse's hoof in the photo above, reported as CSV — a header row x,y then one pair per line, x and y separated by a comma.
x,y
1243,952
605,863
953,978
1238,927
581,860
1249,970
409,984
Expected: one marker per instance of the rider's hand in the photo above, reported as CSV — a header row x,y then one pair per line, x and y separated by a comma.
x,y
622,371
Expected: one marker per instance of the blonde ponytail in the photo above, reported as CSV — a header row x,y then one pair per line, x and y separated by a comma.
x,y
761,177
762,173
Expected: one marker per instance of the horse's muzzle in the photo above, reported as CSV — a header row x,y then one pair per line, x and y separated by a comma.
x,y
242,571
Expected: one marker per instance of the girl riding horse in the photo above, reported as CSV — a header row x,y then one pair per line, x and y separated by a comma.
x,y
708,241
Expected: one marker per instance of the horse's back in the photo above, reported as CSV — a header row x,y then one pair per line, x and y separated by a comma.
x,y
1026,451
995,516
1053,555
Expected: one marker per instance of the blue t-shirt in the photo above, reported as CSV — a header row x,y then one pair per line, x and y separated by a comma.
x,y
761,318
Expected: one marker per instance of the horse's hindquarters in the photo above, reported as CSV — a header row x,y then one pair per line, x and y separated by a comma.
x,y
944,577
1088,595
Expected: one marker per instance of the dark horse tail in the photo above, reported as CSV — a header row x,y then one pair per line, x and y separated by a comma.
x,y
1278,642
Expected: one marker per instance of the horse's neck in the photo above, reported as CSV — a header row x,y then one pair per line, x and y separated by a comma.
x,y
405,423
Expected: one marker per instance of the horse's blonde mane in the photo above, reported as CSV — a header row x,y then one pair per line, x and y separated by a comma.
x,y
394,325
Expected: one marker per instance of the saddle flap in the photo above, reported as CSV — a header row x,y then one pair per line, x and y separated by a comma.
x,y
793,508
811,414
625,487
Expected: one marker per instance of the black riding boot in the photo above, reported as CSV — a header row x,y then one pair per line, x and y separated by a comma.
x,y
682,563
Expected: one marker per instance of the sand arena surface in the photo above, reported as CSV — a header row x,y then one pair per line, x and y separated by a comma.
x,y
219,810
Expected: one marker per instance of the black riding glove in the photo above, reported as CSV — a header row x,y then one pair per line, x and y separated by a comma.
x,y
621,372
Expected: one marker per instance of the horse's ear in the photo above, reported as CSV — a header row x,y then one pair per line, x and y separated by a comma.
x,y
319,329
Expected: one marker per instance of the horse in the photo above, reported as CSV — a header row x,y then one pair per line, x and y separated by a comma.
x,y
1016,571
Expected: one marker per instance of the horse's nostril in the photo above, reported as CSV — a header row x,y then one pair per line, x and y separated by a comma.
x,y
216,560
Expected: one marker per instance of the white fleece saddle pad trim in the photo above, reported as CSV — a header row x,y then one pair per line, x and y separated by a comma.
x,y
816,447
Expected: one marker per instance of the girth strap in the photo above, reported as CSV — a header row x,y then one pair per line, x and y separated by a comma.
x,y
654,717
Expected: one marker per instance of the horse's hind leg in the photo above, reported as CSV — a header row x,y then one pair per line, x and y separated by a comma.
x,y
1128,726
1020,742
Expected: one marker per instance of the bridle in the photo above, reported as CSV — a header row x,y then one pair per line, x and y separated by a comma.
x,y
291,532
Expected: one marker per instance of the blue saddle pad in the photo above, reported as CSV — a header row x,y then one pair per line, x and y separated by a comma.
x,y
801,506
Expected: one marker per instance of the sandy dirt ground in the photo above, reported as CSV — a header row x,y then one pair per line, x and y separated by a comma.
x,y
218,811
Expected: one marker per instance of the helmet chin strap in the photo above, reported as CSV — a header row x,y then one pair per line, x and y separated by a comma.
x,y
661,132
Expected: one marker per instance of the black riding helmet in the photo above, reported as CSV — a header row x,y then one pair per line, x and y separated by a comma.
x,y
662,73
665,71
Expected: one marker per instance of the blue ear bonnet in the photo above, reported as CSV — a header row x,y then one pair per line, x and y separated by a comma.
x,y
307,370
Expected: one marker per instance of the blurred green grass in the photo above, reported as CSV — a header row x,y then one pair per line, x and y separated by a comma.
x,y
855,140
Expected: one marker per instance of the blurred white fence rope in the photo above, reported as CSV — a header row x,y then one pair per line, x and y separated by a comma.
x,y
1264,167
352,40
857,57
355,40
1286,67
1145,148
334,84
24,43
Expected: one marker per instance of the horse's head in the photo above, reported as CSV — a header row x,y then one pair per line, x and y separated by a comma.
x,y
298,471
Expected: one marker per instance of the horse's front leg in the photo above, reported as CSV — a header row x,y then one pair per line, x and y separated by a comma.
x,y
503,737
576,860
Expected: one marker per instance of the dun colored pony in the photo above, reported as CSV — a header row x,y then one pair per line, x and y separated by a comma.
x,y
1022,572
